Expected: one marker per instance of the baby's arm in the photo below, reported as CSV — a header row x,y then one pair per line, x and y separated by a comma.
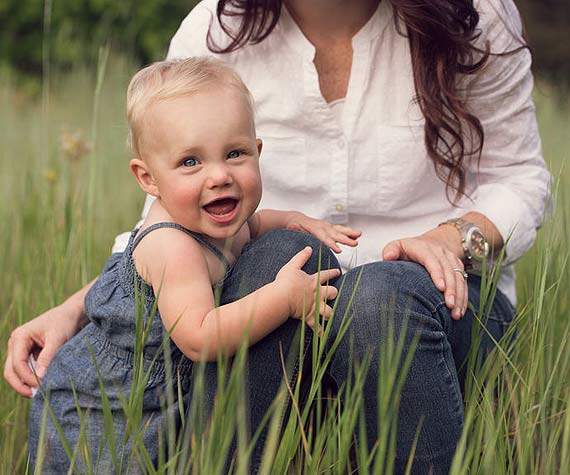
x,y
176,266
330,234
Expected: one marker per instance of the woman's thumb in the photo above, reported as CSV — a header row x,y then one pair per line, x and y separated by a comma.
x,y
44,359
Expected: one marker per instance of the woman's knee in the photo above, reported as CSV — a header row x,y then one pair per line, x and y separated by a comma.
x,y
379,283
280,245
262,259
389,293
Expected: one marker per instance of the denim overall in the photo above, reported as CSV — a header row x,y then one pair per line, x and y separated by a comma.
x,y
102,354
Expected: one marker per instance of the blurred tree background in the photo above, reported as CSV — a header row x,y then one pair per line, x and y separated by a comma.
x,y
77,29
141,29
547,25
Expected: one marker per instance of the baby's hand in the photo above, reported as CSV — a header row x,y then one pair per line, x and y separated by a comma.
x,y
301,288
329,234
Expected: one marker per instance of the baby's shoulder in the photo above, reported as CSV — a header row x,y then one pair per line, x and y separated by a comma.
x,y
165,248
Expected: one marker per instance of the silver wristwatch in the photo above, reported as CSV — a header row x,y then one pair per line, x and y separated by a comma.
x,y
475,246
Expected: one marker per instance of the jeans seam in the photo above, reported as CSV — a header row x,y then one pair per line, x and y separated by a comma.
x,y
449,380
447,332
437,307
448,373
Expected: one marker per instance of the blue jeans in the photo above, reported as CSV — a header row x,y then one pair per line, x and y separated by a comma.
x,y
432,392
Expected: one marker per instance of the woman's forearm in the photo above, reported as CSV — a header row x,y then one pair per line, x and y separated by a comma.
x,y
451,239
75,306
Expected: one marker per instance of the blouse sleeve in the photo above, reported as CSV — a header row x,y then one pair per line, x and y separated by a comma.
x,y
190,39
513,183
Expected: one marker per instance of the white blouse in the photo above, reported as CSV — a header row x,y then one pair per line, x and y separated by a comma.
x,y
370,169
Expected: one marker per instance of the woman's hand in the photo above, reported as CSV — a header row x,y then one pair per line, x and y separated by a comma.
x,y
301,288
327,233
42,337
440,252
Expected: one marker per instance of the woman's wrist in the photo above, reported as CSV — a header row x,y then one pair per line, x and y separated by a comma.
x,y
449,238
489,230
477,236
74,312
74,307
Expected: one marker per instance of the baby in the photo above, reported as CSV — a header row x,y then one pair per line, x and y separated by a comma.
x,y
195,150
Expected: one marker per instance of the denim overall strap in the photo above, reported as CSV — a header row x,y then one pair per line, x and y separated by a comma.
x,y
198,237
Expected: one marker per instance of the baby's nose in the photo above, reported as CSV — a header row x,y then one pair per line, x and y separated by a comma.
x,y
220,175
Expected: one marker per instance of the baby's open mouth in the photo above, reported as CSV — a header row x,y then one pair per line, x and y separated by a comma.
x,y
221,207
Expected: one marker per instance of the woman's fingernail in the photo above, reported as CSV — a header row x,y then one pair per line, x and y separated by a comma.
x,y
441,284
451,301
41,371
457,312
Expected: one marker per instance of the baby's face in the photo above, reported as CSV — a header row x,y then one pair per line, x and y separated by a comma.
x,y
204,157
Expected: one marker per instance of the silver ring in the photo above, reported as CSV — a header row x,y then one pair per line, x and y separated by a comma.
x,y
461,271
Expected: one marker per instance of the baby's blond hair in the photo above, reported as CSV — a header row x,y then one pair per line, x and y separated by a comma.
x,y
174,78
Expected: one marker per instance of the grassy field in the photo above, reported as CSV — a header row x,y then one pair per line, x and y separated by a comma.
x,y
68,192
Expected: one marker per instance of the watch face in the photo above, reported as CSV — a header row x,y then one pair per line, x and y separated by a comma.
x,y
477,244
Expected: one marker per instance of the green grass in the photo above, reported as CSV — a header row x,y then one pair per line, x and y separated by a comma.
x,y
55,237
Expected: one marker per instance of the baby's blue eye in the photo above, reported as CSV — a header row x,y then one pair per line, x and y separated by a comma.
x,y
189,162
234,154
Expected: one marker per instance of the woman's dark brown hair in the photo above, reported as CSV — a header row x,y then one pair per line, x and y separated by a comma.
x,y
442,35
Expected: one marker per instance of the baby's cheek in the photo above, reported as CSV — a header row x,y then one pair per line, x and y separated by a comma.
x,y
252,185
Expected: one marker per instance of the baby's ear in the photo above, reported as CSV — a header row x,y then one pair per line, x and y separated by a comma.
x,y
144,177
259,145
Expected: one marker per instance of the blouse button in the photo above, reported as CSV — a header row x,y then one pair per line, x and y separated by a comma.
x,y
339,207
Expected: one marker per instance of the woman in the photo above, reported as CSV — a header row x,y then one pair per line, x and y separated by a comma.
x,y
392,117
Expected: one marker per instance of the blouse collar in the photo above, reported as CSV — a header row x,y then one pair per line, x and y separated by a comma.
x,y
369,32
